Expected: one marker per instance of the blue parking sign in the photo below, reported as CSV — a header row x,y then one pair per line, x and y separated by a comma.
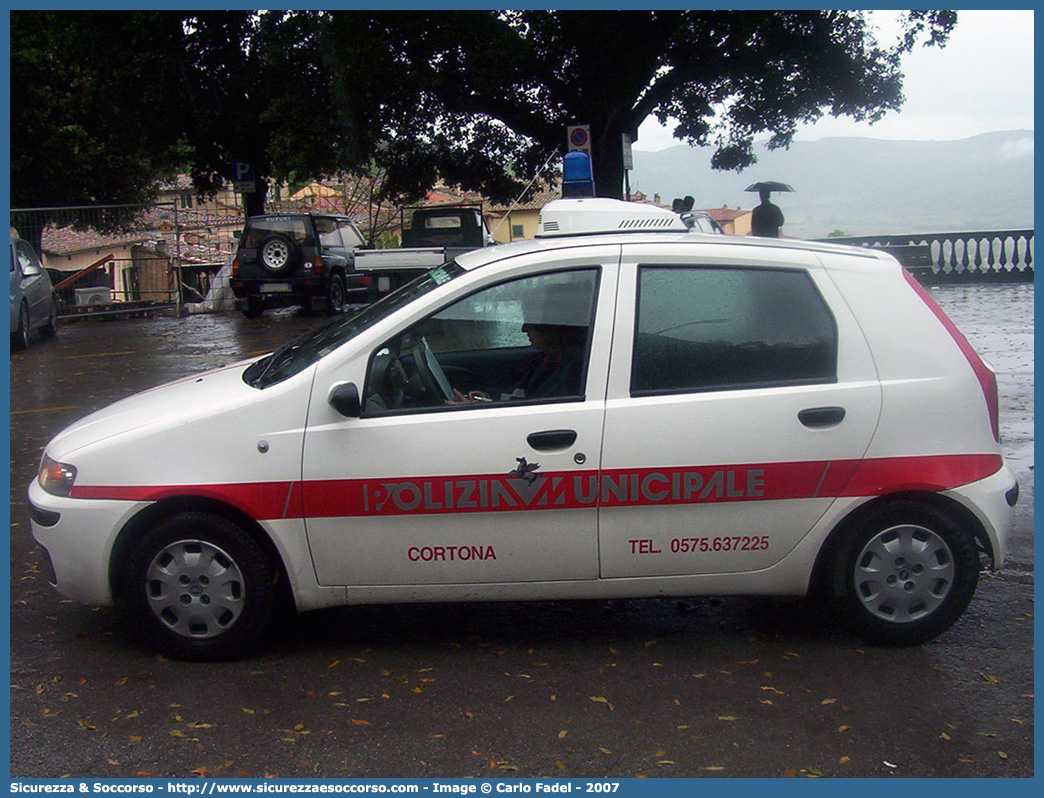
x,y
243,176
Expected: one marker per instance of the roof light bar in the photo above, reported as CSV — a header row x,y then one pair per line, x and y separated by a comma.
x,y
570,217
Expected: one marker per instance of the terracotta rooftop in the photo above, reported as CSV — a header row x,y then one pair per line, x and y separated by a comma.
x,y
724,213
535,203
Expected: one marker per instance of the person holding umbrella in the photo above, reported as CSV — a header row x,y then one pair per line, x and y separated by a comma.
x,y
767,219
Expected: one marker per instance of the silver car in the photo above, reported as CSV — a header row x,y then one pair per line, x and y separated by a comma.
x,y
32,299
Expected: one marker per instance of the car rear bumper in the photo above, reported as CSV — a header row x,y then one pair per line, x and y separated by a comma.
x,y
273,290
992,502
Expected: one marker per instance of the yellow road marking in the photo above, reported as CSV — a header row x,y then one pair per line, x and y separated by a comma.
x,y
43,410
101,354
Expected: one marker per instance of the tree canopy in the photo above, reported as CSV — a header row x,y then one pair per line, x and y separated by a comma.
x,y
493,92
480,99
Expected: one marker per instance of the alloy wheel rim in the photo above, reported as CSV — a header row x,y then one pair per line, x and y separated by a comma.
x,y
195,589
904,573
276,255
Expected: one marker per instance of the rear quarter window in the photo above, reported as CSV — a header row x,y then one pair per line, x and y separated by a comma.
x,y
294,228
725,328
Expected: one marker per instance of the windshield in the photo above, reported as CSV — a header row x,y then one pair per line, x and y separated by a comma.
x,y
306,349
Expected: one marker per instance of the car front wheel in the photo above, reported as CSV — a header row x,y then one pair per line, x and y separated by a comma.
x,y
199,587
50,329
904,574
20,337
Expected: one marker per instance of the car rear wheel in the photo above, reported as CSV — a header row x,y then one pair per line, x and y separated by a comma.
x,y
255,307
904,574
278,254
335,294
199,587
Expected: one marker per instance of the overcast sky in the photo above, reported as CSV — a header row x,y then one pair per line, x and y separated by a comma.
x,y
981,81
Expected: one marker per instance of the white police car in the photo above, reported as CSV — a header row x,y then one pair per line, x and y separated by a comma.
x,y
647,412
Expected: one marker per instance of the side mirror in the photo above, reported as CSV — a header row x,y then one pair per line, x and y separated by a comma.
x,y
344,398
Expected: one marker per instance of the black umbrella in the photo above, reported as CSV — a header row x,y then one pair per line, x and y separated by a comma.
x,y
768,185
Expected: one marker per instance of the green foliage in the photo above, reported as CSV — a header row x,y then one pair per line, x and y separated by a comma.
x,y
487,90
90,121
103,102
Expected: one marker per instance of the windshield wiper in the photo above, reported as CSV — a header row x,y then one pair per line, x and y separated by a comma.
x,y
275,361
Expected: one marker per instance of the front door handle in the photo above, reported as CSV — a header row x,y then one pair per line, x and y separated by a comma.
x,y
821,417
551,440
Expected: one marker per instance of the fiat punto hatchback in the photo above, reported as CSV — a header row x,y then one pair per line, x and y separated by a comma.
x,y
645,412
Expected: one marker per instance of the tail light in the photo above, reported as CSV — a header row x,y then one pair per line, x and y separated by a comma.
x,y
235,267
317,267
986,376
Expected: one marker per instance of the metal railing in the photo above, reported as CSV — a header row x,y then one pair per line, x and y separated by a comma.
x,y
983,256
112,260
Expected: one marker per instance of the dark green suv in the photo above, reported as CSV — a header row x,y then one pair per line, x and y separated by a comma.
x,y
297,259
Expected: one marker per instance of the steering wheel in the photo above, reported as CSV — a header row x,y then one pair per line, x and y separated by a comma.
x,y
385,383
430,372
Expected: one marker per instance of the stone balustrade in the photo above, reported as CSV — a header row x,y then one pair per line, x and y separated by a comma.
x,y
984,256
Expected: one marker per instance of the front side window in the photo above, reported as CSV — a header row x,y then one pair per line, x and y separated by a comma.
x,y
351,235
524,340
710,328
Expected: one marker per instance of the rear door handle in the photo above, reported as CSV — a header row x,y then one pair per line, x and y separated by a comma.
x,y
549,440
820,417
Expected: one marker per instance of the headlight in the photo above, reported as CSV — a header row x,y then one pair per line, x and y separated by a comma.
x,y
56,478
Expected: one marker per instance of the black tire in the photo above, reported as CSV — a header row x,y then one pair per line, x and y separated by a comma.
x,y
20,337
255,307
50,329
336,294
903,574
278,254
199,587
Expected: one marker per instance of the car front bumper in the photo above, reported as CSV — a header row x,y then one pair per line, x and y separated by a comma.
x,y
78,536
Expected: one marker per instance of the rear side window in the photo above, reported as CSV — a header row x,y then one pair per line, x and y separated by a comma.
x,y
717,328
293,227
329,235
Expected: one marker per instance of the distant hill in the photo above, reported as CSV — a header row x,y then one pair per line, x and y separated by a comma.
x,y
864,186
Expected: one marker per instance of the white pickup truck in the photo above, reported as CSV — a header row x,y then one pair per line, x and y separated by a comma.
x,y
436,235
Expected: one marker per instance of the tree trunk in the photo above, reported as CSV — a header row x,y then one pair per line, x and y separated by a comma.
x,y
255,200
607,162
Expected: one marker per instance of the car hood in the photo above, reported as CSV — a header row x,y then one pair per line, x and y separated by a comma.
x,y
175,403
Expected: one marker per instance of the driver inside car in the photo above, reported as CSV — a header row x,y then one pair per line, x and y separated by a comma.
x,y
556,372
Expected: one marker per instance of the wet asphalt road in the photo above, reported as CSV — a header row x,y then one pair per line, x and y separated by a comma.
x,y
658,688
